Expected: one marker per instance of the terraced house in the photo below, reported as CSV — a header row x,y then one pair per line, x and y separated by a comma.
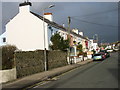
x,y
27,32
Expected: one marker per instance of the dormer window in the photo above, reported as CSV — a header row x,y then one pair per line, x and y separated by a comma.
x,y
4,39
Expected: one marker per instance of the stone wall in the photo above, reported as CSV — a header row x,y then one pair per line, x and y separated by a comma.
x,y
32,62
28,63
57,59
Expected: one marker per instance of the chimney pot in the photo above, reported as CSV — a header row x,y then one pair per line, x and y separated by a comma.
x,y
47,13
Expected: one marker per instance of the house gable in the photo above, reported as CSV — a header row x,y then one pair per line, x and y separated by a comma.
x,y
25,31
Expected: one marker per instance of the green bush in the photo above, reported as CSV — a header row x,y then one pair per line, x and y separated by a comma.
x,y
58,43
8,56
85,54
80,53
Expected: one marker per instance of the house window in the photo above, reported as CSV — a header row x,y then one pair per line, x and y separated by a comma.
x,y
4,39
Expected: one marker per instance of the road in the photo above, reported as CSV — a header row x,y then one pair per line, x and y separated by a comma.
x,y
97,74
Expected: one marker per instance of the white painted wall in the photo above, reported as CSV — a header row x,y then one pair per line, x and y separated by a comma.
x,y
26,31
91,44
83,44
75,31
89,56
81,33
7,75
49,17
94,46
47,40
63,34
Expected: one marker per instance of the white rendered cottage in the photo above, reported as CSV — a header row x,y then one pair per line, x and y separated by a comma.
x,y
25,30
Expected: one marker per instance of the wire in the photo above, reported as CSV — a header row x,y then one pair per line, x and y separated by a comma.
x,y
97,13
94,23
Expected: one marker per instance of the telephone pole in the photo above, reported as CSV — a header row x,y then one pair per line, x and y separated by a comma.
x,y
69,21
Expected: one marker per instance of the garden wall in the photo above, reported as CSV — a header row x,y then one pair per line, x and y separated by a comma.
x,y
32,62
28,63
57,59
7,75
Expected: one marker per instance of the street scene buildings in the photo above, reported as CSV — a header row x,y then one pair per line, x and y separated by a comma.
x,y
34,43
33,27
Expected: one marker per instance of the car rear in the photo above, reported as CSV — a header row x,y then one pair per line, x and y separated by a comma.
x,y
103,55
97,57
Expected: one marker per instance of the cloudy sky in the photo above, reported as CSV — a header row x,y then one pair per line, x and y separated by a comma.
x,y
92,18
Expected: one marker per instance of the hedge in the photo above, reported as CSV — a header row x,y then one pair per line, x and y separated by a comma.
x,y
7,56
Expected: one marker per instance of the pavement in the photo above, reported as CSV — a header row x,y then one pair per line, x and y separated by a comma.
x,y
27,81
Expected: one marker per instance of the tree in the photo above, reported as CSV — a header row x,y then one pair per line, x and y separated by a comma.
x,y
7,56
79,47
104,46
58,43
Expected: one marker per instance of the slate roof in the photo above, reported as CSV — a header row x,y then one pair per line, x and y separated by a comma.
x,y
55,25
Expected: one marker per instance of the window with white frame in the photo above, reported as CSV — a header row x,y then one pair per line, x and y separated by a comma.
x,y
4,40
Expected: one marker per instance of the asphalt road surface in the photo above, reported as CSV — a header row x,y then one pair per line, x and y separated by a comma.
x,y
97,74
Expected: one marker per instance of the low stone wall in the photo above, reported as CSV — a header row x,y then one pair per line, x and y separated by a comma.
x,y
89,56
32,62
57,59
76,59
85,58
28,63
7,75
79,59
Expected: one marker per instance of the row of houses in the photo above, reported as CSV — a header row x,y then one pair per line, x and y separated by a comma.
x,y
110,46
27,32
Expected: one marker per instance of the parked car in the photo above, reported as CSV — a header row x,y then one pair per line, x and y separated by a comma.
x,y
107,54
115,49
109,50
98,57
103,55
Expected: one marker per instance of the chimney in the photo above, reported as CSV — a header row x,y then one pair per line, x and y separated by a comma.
x,y
75,31
25,7
81,33
48,16
63,25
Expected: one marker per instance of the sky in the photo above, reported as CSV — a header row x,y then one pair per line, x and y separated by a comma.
x,y
92,18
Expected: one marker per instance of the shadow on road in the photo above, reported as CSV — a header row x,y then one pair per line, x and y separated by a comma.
x,y
56,85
